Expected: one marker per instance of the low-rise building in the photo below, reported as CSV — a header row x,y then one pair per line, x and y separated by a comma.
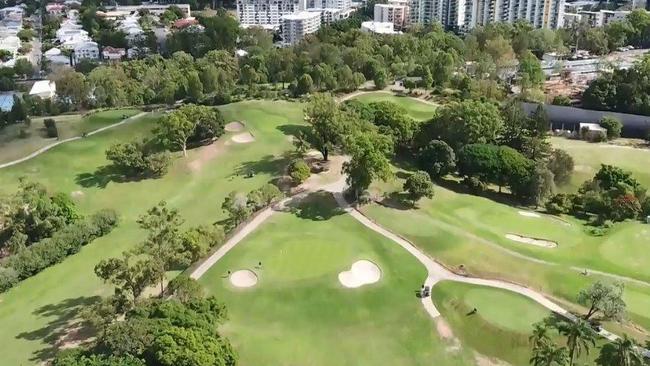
x,y
297,25
378,27
113,54
594,18
55,9
119,11
45,89
86,50
6,101
55,56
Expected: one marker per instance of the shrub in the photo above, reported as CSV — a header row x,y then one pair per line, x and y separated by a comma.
x,y
561,100
474,184
50,251
50,127
613,127
263,196
418,185
298,171
559,204
625,207
8,278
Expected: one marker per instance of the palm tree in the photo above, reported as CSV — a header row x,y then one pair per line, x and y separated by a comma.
x,y
622,352
540,334
580,337
547,353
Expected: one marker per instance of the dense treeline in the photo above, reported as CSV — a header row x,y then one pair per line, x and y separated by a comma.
x,y
621,90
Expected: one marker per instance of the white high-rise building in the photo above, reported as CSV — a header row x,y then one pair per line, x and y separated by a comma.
x,y
266,13
297,25
395,11
467,14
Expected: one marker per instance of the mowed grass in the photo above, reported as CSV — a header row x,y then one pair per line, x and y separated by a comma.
x,y
13,147
501,326
417,109
299,313
35,314
589,156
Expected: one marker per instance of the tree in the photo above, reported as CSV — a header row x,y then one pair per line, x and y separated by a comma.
x,y
18,111
23,67
579,337
368,160
71,88
177,346
418,185
236,205
392,119
381,79
613,127
548,354
437,159
196,241
604,298
194,86
530,69
163,244
326,127
76,358
540,185
561,164
299,171
609,177
467,122
185,288
189,123
138,159
305,85
129,276
622,352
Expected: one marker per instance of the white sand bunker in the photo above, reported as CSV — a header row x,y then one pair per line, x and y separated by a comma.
x,y
532,241
361,273
76,194
234,127
243,138
243,278
529,214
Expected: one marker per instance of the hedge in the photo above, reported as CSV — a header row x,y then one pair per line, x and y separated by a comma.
x,y
51,251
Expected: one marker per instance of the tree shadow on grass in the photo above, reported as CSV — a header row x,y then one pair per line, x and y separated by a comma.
x,y
499,197
102,176
60,317
398,201
316,206
293,130
269,164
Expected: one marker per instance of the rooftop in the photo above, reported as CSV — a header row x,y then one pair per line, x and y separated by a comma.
x,y
302,15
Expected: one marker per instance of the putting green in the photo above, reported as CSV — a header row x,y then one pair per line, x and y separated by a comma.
x,y
501,325
417,109
35,314
299,313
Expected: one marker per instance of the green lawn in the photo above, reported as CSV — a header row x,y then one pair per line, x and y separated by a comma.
x,y
588,157
13,147
416,108
35,313
299,313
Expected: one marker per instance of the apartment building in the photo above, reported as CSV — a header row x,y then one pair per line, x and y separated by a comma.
x,y
395,11
595,18
266,13
464,15
297,25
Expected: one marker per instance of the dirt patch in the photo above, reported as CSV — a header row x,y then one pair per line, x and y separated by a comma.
x,y
482,360
76,194
532,241
235,126
445,332
243,138
74,336
204,155
529,214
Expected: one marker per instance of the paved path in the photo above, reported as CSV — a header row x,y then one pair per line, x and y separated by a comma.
x,y
48,147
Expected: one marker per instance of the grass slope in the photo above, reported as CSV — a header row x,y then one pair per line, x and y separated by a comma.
x,y
13,147
416,108
35,313
299,314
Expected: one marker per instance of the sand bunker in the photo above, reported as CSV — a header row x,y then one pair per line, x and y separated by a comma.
x,y
529,214
243,138
76,194
361,273
532,241
243,278
234,127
